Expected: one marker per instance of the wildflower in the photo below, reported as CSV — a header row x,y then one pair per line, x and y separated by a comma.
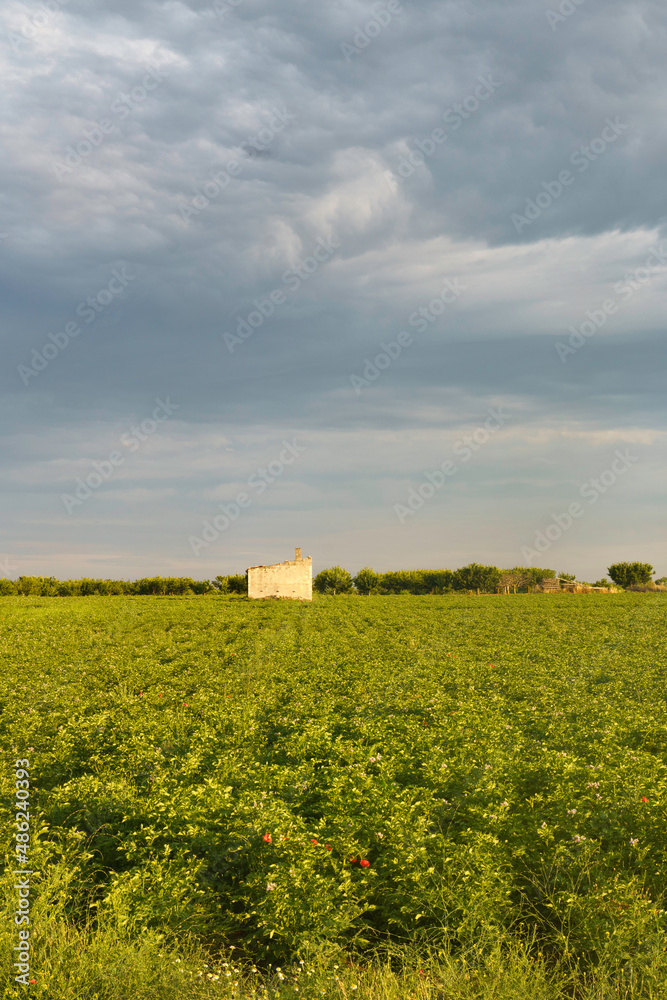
x,y
571,812
267,838
271,886
313,842
634,841
185,704
644,799
328,847
544,826
364,864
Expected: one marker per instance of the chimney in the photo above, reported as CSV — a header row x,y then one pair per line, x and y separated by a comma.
x,y
298,553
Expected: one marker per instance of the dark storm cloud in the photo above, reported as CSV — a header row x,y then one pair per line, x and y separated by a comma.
x,y
206,151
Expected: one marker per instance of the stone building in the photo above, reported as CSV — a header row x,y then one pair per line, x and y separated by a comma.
x,y
293,579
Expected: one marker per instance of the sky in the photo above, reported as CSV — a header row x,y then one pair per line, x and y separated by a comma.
x,y
385,281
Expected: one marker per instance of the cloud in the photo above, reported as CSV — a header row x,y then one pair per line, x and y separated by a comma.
x,y
329,167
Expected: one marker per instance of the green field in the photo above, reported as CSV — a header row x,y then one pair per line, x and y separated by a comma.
x,y
204,770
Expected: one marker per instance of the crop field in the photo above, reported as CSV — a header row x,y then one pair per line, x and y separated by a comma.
x,y
306,792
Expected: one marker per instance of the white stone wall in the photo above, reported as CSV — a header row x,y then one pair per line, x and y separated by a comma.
x,y
292,579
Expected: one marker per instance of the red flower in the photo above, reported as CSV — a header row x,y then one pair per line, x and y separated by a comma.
x,y
140,693
185,704
352,860
32,980
364,864
160,696
267,838
327,847
313,842
644,799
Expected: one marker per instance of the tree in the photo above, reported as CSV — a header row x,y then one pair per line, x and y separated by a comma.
x,y
630,574
238,583
438,581
476,577
568,577
518,576
367,581
335,580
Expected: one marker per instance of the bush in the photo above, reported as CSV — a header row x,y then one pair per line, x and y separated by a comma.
x,y
335,580
630,574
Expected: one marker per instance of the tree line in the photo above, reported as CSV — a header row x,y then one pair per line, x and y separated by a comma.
x,y
166,586
474,578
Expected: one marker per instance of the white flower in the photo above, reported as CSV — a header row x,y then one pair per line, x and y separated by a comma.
x,y
271,886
